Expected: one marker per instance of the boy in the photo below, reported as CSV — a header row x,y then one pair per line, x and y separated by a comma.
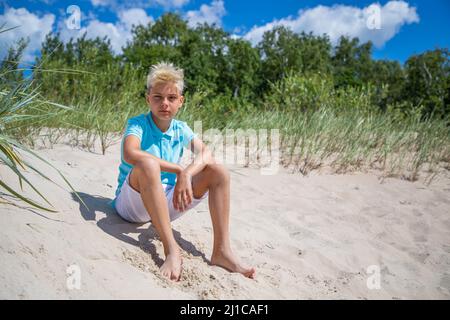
x,y
152,186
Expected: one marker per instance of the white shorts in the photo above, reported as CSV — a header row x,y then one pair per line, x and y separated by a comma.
x,y
129,204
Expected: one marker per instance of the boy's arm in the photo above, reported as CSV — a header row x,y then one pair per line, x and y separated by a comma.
x,y
133,154
183,193
202,158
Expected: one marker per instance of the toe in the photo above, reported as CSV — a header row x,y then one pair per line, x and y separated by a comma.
x,y
175,276
251,273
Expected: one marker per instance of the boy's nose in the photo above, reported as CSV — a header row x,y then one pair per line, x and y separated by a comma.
x,y
165,102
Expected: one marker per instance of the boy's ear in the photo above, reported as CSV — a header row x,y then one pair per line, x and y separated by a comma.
x,y
181,99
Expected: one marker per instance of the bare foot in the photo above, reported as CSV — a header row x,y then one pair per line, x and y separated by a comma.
x,y
227,260
171,268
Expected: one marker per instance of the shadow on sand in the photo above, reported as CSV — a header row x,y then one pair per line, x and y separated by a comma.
x,y
119,228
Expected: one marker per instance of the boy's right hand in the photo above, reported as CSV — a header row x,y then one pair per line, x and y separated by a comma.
x,y
183,194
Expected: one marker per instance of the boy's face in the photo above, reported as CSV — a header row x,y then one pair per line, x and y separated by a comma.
x,y
164,100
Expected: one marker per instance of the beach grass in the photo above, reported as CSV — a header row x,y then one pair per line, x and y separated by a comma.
x,y
320,125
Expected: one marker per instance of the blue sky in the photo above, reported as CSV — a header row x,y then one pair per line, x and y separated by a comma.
x,y
397,28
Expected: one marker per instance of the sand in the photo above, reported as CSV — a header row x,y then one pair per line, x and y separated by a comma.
x,y
322,236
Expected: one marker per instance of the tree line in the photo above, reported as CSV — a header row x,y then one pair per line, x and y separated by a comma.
x,y
219,64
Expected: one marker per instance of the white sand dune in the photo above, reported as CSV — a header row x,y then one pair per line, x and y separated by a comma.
x,y
308,237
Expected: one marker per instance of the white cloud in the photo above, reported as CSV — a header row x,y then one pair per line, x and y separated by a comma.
x,y
172,3
134,16
341,20
139,3
118,32
96,3
30,25
209,14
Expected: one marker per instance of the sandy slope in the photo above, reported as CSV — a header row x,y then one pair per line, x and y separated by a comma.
x,y
308,237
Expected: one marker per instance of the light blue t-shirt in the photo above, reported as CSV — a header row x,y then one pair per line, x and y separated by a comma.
x,y
167,145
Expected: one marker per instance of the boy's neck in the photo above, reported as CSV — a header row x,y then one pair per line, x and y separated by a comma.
x,y
161,124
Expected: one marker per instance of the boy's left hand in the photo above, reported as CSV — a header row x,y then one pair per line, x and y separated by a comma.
x,y
182,195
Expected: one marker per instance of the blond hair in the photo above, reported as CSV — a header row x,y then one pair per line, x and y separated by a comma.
x,y
164,72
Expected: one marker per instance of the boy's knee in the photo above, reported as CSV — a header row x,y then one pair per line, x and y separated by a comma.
x,y
220,171
149,167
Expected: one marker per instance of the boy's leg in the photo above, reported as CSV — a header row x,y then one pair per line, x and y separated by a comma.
x,y
216,179
145,178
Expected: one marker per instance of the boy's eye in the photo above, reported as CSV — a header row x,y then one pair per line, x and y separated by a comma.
x,y
171,98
